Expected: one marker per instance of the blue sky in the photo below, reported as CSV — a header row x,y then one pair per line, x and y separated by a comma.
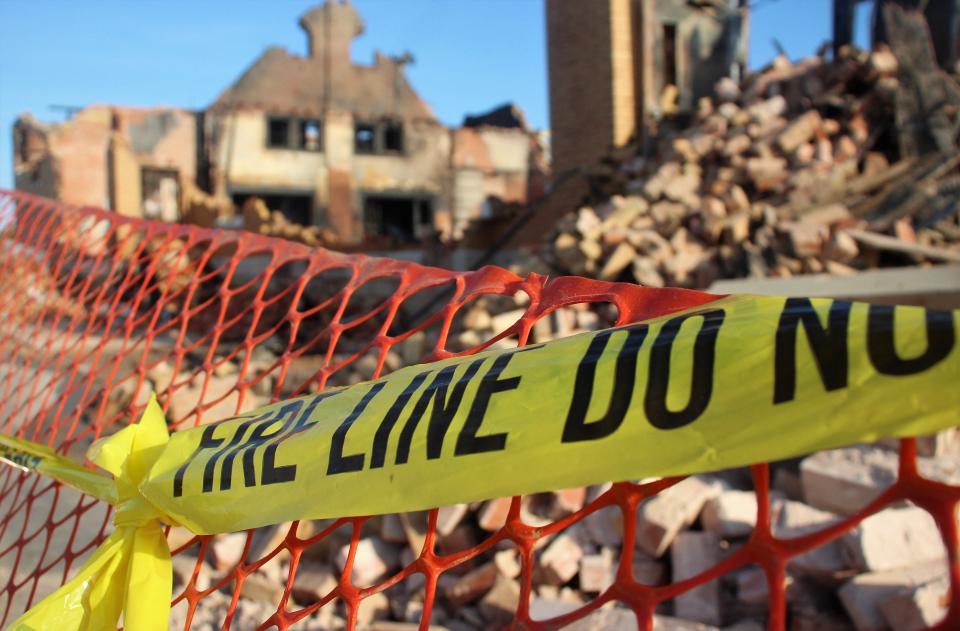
x,y
470,54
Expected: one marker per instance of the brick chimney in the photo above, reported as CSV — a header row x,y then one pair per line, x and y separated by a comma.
x,y
330,29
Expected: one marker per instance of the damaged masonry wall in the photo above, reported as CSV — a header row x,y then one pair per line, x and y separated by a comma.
x,y
324,141
127,159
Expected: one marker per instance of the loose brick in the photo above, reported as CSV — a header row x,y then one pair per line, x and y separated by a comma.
x,y
415,528
391,529
373,559
493,514
845,480
472,585
560,561
499,604
226,550
862,595
806,239
795,519
449,517
312,581
597,571
731,514
893,538
799,131
752,587
508,563
568,501
663,516
691,554
919,608
647,570
375,606
261,588
828,215
605,526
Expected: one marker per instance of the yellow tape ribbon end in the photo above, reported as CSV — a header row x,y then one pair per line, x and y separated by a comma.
x,y
130,572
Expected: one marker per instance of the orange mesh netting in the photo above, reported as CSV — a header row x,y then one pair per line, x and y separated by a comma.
x,y
99,309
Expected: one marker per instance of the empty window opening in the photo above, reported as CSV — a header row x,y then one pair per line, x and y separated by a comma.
x,y
400,219
393,137
379,137
160,194
296,208
365,138
310,135
278,133
303,134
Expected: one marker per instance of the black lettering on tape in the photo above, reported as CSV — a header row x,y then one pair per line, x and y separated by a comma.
x,y
442,413
701,387
576,427
382,437
273,475
270,473
304,423
207,441
229,454
883,353
829,346
468,442
339,463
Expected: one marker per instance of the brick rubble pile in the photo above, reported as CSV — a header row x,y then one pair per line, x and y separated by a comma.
x,y
797,171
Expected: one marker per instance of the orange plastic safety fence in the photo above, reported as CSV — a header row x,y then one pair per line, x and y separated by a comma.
x,y
97,310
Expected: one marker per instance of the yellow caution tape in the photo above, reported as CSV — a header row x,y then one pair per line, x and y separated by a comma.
x,y
130,572
738,381
741,380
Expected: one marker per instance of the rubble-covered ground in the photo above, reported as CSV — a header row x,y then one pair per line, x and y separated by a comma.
x,y
802,169
809,167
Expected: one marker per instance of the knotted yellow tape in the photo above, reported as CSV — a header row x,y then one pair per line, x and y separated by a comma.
x,y
130,572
